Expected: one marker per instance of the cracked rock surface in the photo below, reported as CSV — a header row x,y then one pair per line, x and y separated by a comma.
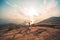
x,y
31,33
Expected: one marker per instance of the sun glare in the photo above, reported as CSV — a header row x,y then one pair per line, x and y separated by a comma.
x,y
31,13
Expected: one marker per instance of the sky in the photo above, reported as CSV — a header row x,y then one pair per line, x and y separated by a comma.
x,y
24,11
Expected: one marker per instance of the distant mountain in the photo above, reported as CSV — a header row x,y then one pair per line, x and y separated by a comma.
x,y
11,25
4,21
50,22
51,19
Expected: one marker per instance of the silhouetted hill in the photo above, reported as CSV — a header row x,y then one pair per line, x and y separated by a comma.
x,y
50,22
10,25
52,19
4,21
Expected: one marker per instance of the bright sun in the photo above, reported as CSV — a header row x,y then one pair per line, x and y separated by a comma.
x,y
31,13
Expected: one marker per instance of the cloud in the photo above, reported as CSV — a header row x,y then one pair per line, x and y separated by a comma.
x,y
48,10
16,13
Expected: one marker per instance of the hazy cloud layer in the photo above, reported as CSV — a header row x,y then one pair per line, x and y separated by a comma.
x,y
17,11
